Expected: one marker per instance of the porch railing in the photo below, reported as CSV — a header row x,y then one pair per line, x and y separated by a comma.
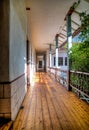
x,y
79,81
59,75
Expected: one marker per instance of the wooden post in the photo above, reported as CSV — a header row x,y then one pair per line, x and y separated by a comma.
x,y
69,45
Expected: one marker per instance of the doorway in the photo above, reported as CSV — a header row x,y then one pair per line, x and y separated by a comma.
x,y
41,63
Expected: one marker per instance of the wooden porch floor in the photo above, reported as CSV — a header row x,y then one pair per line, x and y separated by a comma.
x,y
49,106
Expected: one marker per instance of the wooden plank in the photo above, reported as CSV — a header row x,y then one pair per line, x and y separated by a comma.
x,y
64,123
39,115
46,115
73,105
79,112
7,126
53,114
20,122
49,106
68,112
30,123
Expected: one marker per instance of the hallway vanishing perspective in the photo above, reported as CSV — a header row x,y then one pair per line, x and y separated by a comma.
x,y
44,64
49,106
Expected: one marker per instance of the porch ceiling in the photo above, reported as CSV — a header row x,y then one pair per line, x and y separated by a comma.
x,y
46,19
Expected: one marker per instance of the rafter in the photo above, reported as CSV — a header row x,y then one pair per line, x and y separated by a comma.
x,y
75,23
63,34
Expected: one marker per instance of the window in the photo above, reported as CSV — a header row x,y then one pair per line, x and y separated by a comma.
x,y
60,61
65,61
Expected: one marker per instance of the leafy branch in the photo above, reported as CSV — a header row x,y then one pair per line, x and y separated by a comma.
x,y
84,17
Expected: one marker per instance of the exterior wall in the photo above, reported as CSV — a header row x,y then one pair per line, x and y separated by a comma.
x,y
5,108
31,67
18,90
4,40
13,57
28,62
17,38
11,96
17,62
32,64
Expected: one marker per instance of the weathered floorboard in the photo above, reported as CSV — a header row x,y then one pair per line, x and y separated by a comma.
x,y
49,106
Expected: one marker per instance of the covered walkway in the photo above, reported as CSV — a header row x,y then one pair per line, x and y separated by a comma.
x,y
49,106
36,36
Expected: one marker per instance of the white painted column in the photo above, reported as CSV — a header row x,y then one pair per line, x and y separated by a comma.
x,y
56,38
56,57
50,55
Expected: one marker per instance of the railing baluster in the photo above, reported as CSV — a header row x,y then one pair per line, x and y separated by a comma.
x,y
78,80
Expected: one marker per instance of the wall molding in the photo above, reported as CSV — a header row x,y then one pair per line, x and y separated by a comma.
x,y
9,82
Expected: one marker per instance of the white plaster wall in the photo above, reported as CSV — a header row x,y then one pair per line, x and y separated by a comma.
x,y
17,54
4,40
32,62
17,38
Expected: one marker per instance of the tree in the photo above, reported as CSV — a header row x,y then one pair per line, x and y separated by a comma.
x,y
84,17
79,57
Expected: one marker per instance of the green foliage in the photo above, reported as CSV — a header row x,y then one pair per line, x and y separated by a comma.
x,y
79,57
84,17
79,61
80,81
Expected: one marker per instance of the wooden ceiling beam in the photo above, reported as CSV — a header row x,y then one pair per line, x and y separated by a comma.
x,y
75,23
63,34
